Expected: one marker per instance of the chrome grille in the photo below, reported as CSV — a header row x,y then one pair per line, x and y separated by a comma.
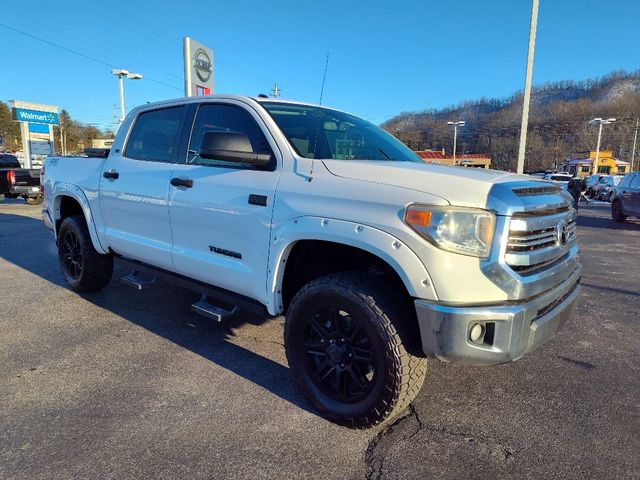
x,y
538,242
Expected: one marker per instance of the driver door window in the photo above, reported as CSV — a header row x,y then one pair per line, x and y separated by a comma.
x,y
224,118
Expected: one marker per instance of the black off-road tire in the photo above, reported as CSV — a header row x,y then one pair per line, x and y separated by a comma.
x,y
91,271
34,200
391,327
616,212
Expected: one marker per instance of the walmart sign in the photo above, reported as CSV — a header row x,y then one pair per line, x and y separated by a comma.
x,y
35,116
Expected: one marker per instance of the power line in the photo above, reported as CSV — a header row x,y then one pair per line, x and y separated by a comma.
x,y
97,47
84,55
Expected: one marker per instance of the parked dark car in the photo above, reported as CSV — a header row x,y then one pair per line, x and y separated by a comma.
x,y
603,190
592,181
626,198
16,181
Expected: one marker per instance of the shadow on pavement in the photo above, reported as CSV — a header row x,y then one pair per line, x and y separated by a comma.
x,y
590,221
611,289
162,309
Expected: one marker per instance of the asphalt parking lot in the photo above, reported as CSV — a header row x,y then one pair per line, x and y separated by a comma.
x,y
126,384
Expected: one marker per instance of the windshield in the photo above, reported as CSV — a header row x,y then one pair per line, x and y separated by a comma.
x,y
560,178
316,132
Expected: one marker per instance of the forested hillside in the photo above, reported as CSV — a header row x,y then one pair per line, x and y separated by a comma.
x,y
557,124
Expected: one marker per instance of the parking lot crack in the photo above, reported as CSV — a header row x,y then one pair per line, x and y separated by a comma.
x,y
402,429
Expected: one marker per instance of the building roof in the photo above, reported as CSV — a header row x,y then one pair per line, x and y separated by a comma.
x,y
589,161
438,155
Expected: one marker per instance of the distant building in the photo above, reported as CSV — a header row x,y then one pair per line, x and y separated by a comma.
x,y
584,164
101,142
477,160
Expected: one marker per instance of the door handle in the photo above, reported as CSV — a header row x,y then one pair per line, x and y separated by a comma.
x,y
182,182
112,174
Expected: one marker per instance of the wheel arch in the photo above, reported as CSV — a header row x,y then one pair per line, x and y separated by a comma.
x,y
74,202
309,247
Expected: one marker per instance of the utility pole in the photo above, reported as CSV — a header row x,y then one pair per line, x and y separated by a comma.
x,y
275,91
633,151
61,145
527,86
459,123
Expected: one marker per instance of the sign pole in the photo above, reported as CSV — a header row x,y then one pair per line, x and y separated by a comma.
x,y
26,147
186,47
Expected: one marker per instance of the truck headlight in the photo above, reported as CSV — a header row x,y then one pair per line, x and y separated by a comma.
x,y
461,230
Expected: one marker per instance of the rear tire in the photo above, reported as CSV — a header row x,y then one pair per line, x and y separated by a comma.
x,y
34,200
84,269
346,352
616,212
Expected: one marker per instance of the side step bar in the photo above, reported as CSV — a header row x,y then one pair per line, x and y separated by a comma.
x,y
204,308
133,279
143,275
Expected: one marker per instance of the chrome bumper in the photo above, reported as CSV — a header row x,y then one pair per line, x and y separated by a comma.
x,y
510,331
25,190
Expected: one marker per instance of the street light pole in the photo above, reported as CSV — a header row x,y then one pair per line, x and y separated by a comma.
x,y
459,123
121,82
633,150
600,122
122,74
527,86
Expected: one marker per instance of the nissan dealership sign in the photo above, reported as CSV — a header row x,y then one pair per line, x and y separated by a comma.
x,y
198,68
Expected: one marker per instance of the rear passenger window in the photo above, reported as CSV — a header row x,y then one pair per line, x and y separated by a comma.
x,y
155,135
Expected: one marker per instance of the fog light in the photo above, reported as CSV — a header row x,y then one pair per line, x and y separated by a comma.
x,y
476,333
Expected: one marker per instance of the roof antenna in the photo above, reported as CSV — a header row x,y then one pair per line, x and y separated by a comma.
x,y
315,143
324,77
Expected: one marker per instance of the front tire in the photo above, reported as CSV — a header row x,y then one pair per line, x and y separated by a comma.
x,y
616,212
84,269
345,350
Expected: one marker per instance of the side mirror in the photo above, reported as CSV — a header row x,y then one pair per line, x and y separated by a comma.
x,y
231,147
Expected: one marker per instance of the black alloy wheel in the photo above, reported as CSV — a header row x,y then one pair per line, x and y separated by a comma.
x,y
340,355
71,254
84,268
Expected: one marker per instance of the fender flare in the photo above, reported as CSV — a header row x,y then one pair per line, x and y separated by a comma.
x,y
388,248
69,190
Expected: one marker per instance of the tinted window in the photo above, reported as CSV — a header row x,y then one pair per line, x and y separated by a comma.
x,y
626,180
229,119
155,135
9,161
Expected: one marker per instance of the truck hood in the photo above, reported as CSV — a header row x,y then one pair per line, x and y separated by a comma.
x,y
460,186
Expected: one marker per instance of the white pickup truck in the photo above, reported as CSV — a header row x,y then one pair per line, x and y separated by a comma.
x,y
376,260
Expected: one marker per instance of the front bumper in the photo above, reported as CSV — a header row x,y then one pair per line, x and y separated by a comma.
x,y
510,330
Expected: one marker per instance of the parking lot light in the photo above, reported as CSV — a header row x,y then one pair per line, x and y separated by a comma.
x,y
122,74
600,122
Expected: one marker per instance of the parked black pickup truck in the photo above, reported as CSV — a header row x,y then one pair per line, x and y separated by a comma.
x,y
16,181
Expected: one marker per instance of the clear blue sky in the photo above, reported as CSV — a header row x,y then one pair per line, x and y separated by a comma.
x,y
385,56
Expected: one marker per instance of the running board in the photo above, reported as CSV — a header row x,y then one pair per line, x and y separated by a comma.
x,y
133,280
204,308
214,294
